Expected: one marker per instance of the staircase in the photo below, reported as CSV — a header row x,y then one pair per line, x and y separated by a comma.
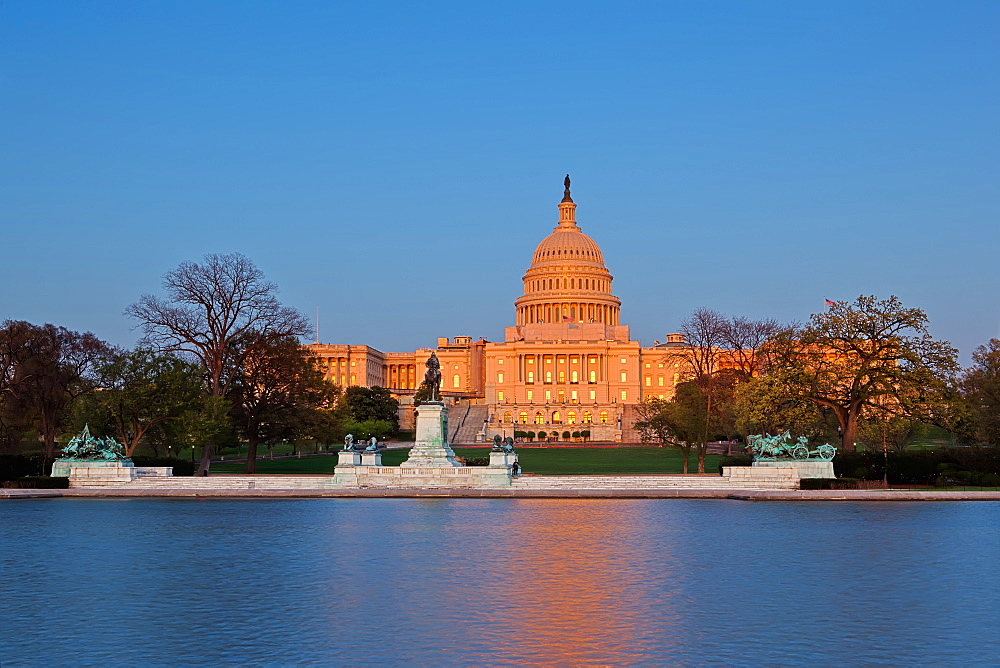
x,y
465,428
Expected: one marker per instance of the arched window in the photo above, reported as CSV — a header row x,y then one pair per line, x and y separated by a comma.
x,y
588,417
507,417
604,417
531,376
539,418
571,417
556,418
548,376
593,376
456,381
522,417
574,376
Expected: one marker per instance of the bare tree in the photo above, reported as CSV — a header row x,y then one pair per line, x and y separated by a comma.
x,y
705,338
212,311
744,338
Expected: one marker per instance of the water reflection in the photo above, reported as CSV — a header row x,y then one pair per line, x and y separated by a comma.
x,y
402,581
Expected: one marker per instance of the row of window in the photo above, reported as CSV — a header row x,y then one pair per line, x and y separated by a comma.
x,y
569,283
587,417
561,396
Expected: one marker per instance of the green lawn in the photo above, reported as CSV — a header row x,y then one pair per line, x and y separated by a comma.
x,y
544,461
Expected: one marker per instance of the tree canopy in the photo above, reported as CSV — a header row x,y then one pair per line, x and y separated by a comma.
x,y
214,311
869,355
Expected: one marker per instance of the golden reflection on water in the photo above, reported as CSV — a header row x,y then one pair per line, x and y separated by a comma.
x,y
571,603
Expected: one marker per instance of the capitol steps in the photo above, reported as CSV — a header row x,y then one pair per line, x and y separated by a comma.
x,y
470,426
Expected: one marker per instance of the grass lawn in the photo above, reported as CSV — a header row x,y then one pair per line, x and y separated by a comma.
x,y
544,461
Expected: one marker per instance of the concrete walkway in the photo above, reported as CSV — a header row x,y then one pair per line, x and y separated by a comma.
x,y
562,493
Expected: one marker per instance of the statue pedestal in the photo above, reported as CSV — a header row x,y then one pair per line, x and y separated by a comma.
x,y
502,459
371,459
431,448
62,468
348,458
808,468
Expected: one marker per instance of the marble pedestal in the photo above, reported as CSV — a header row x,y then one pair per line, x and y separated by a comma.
x,y
62,468
371,459
811,468
502,459
348,458
431,448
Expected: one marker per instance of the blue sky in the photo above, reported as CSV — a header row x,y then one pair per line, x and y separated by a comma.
x,y
395,164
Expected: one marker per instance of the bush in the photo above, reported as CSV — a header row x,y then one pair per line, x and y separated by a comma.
x,y
477,461
829,483
576,434
735,460
37,482
520,434
541,434
531,434
13,467
585,433
181,466
565,435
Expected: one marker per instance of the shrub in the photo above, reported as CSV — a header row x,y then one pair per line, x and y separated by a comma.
x,y
531,434
585,433
13,467
829,483
576,434
520,434
181,466
541,434
735,460
565,435
37,482
477,461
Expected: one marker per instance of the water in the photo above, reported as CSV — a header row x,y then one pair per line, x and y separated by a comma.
x,y
460,581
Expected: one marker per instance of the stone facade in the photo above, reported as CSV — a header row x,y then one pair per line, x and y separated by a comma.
x,y
567,364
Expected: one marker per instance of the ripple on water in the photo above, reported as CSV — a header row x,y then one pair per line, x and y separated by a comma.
x,y
497,581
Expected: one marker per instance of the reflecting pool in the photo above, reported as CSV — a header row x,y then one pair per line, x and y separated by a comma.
x,y
463,581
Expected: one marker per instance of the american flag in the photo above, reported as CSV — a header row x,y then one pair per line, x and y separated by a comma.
x,y
828,302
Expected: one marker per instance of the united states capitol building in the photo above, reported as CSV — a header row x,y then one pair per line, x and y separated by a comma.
x,y
567,364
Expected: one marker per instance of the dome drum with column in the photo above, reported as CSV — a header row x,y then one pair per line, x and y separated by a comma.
x,y
566,285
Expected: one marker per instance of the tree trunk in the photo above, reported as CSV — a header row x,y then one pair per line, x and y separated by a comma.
x,y
687,453
701,457
251,454
206,459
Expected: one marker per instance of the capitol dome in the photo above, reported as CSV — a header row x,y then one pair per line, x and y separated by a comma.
x,y
567,281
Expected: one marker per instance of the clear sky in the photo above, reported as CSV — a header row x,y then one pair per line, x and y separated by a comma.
x,y
395,164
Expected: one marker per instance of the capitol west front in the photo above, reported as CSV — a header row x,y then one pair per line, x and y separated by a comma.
x,y
568,364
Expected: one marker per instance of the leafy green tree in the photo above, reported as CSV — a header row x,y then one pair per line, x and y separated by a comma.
x,y
363,431
762,406
869,355
214,311
45,369
370,403
274,392
980,388
681,422
138,390
206,425
887,432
